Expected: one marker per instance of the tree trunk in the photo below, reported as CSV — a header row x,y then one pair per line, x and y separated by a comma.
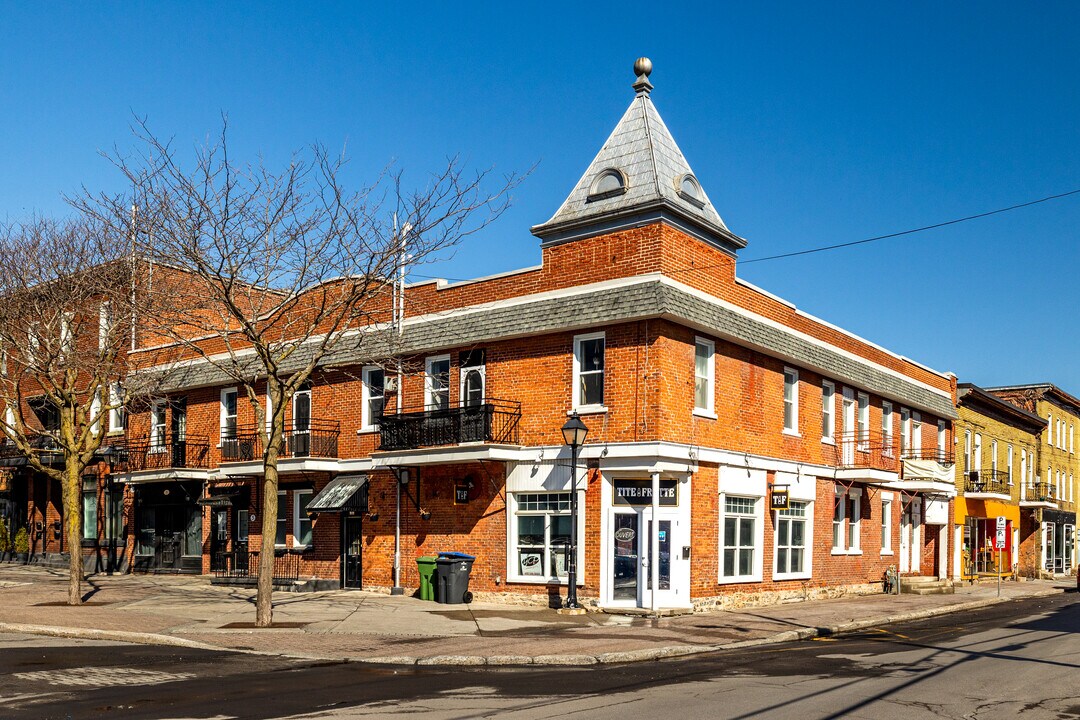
x,y
264,608
73,529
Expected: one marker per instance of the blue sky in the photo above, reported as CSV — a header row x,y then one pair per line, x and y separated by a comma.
x,y
807,126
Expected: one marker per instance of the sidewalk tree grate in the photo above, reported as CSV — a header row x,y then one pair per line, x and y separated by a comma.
x,y
64,603
247,625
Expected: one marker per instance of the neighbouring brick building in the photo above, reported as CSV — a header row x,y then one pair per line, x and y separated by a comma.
x,y
706,398
1053,494
995,478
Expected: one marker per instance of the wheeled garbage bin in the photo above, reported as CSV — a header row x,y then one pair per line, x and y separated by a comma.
x,y
425,564
452,578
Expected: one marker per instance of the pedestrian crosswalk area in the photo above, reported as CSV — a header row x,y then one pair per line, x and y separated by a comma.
x,y
102,676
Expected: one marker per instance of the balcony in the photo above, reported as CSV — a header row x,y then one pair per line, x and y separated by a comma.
x,y
491,421
938,455
987,484
1039,495
146,453
866,451
46,447
310,439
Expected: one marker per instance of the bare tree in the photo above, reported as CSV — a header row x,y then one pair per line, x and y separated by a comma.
x,y
67,296
285,268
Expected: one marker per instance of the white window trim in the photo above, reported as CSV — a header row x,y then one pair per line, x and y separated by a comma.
x,y
366,425
887,427
794,430
428,376
709,410
223,416
280,498
808,551
512,574
842,495
1050,429
759,539
862,422
830,438
157,443
116,411
942,439
575,388
463,373
104,324
1009,463
296,520
887,522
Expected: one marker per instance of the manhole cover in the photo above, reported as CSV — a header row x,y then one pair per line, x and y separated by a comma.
x,y
103,676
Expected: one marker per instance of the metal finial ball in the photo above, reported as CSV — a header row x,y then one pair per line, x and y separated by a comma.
x,y
643,66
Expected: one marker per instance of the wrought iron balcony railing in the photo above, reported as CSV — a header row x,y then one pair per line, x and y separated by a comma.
x,y
1041,492
987,481
38,443
491,421
866,451
941,455
313,438
158,453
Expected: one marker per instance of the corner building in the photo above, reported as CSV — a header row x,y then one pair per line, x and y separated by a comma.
x,y
708,401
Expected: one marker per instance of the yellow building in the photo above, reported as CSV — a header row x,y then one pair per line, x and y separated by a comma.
x,y
1050,498
1000,443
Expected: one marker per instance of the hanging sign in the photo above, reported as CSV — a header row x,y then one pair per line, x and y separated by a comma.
x,y
461,494
639,492
779,498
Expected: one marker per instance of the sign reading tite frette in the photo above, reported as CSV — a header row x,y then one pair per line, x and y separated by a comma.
x,y
778,498
639,492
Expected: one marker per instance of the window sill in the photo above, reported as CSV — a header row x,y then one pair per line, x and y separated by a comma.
x,y
828,441
792,433
698,412
366,430
588,410
792,576
537,580
847,551
737,580
887,552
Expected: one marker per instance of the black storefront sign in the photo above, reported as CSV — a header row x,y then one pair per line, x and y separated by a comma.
x,y
461,494
779,498
639,492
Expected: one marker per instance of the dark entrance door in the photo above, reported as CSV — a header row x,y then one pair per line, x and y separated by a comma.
x,y
171,522
219,537
352,543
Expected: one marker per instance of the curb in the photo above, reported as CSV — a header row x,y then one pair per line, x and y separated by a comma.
x,y
567,660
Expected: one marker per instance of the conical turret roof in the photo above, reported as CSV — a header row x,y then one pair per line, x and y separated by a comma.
x,y
639,173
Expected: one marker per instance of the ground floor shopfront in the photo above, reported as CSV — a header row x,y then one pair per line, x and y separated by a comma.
x,y
976,525
1059,541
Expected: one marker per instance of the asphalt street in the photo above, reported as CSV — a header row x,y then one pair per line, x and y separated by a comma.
x,y
1017,659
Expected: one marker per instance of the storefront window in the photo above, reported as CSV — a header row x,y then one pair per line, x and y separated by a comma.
x,y
302,524
543,534
144,544
739,533
89,508
193,532
114,514
791,539
279,538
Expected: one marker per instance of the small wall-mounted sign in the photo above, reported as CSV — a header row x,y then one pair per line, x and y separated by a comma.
x,y
461,494
639,492
251,517
779,498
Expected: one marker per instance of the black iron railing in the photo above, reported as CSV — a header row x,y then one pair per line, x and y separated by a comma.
x,y
159,453
39,443
312,438
941,455
491,421
987,481
1040,492
242,564
866,451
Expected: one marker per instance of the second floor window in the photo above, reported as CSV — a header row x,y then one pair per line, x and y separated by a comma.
x,y
437,383
863,421
374,397
703,375
228,414
791,400
589,371
828,405
157,425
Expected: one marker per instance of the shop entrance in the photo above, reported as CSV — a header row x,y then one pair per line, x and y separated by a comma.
x,y
979,538
631,554
352,550
910,536
168,528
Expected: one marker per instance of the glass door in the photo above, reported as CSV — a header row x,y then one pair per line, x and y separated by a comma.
x,y
626,564
664,543
352,553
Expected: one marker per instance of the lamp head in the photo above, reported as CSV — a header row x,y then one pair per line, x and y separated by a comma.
x,y
574,431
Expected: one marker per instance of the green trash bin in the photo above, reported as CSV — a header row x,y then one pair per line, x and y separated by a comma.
x,y
426,565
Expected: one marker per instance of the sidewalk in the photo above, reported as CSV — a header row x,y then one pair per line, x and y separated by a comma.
x,y
375,628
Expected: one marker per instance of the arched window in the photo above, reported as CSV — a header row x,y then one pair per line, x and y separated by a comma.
x,y
608,183
689,189
474,388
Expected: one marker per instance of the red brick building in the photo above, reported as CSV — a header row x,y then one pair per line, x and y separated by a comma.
x,y
706,398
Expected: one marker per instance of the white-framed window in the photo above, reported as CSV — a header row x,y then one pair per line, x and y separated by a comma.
x,y
33,342
1061,435
473,364
302,531
905,430
942,440
847,520
791,401
828,411
704,377
976,459
916,434
540,536
1023,472
301,409
588,390
886,523
67,336
437,382
993,458
863,422
967,451
374,389
1070,487
117,413
282,519
229,397
158,425
886,426
1050,429
793,533
105,322
1009,463
740,538
89,508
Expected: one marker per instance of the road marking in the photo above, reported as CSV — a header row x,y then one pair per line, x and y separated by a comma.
x,y
103,676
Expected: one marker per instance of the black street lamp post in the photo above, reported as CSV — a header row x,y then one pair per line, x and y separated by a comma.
x,y
574,432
